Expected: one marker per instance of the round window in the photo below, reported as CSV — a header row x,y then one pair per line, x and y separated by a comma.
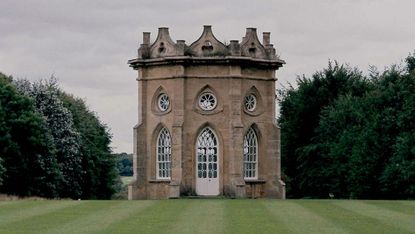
x,y
250,102
207,101
163,102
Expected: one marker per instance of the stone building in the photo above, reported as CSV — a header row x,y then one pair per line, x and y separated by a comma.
x,y
206,118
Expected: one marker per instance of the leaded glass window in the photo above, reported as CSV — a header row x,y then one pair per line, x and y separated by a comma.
x,y
163,154
250,102
207,154
250,155
207,101
163,102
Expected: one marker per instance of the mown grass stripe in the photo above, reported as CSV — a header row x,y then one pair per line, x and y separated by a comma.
x,y
109,212
3,203
208,216
201,216
22,210
397,206
348,219
50,219
10,206
299,219
17,206
411,203
397,219
249,216
156,218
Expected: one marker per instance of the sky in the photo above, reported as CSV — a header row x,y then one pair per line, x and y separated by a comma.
x,y
86,44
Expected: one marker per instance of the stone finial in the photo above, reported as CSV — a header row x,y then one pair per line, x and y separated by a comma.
x,y
207,27
164,45
266,38
251,46
234,48
164,31
250,32
271,51
146,38
180,47
208,45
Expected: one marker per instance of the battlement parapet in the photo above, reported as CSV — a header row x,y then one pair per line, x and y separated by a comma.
x,y
206,49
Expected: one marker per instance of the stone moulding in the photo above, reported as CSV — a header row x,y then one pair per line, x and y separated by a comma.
x,y
189,60
207,50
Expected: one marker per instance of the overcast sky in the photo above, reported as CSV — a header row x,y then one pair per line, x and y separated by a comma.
x,y
86,44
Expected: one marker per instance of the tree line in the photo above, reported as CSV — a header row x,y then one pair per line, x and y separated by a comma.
x,y
51,144
343,133
350,135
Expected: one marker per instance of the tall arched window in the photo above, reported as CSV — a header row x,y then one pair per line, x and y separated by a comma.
x,y
207,154
250,155
163,154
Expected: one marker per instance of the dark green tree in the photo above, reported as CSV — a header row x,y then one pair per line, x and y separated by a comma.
x,y
124,164
101,177
300,110
368,140
65,137
26,147
363,142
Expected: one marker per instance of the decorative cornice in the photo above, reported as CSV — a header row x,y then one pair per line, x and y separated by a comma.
x,y
207,50
189,60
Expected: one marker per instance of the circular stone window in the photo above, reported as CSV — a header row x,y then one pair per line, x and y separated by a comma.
x,y
207,101
163,102
250,102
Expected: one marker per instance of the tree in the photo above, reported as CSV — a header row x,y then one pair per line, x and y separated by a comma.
x,y
65,137
124,164
2,170
300,109
373,138
29,166
51,144
101,178
359,141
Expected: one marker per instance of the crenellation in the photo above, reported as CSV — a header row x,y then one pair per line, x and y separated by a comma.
x,y
234,48
207,45
266,38
146,38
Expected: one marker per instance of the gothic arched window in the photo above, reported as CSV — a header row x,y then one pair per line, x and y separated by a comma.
x,y
250,155
207,154
163,154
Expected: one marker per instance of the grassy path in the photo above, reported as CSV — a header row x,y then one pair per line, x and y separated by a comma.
x,y
208,216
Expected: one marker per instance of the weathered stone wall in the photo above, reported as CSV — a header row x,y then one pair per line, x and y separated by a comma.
x,y
183,79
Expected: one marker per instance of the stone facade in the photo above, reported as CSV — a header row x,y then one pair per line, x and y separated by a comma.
x,y
173,80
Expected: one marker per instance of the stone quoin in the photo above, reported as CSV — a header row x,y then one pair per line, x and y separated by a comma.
x,y
206,118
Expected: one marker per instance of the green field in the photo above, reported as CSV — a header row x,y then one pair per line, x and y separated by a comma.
x,y
126,180
208,216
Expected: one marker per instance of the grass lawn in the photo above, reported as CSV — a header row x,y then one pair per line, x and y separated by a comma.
x,y
208,216
126,180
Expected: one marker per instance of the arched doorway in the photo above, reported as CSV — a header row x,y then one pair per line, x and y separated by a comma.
x,y
207,163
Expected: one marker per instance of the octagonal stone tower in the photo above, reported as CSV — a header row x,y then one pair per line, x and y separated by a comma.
x,y
206,118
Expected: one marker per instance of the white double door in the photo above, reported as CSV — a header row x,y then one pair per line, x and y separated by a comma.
x,y
207,163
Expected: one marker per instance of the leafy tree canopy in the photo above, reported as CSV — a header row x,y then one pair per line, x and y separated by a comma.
x,y
354,139
51,144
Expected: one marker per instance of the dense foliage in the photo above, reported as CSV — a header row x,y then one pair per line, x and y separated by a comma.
x,y
350,136
51,144
29,166
100,177
124,164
